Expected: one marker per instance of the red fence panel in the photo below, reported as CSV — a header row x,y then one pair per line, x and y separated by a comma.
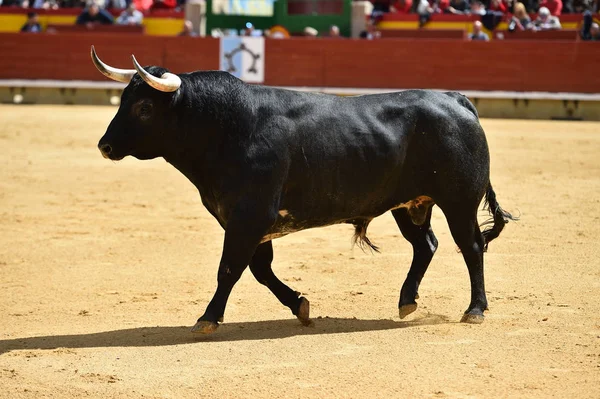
x,y
520,65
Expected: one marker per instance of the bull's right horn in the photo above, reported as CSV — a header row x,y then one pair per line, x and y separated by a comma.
x,y
120,75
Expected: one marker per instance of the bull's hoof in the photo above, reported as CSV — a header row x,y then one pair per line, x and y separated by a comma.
x,y
405,310
205,327
304,313
472,318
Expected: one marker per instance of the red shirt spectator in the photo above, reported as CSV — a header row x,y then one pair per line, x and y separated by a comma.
x,y
443,5
555,6
403,6
498,5
164,4
142,5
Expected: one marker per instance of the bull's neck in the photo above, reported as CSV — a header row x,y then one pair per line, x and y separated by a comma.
x,y
213,121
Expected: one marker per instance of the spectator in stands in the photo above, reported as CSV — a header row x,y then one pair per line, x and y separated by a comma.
x,y
520,20
249,30
142,5
277,32
498,5
545,21
424,10
130,16
94,14
71,3
458,7
478,8
309,31
116,4
334,31
580,6
163,4
32,25
402,6
380,7
371,32
595,32
489,19
45,4
477,33
440,6
589,30
188,29
510,5
555,6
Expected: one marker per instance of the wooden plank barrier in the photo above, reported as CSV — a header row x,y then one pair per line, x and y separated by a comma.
x,y
519,65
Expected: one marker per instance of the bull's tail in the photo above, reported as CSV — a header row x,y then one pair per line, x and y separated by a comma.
x,y
499,217
360,235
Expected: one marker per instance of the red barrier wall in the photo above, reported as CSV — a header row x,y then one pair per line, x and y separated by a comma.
x,y
555,66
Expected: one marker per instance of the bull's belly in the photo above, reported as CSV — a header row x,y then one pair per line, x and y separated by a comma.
x,y
287,223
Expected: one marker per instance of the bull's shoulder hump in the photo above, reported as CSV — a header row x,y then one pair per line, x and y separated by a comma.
x,y
463,101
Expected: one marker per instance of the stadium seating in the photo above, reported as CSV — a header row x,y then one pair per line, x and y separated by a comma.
x,y
117,29
424,33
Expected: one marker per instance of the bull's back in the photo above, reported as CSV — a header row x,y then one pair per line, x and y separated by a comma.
x,y
347,153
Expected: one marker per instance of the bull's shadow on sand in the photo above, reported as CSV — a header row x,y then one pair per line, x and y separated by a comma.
x,y
165,336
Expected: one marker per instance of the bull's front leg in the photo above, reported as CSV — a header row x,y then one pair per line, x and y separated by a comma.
x,y
245,229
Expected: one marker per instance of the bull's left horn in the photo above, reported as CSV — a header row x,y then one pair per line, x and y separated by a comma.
x,y
168,82
120,75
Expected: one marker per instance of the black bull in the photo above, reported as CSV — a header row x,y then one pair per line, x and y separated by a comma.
x,y
268,162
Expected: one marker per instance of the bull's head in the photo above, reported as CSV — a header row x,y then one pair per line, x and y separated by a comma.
x,y
143,118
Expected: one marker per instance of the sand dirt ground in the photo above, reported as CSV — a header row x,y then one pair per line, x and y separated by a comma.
x,y
105,266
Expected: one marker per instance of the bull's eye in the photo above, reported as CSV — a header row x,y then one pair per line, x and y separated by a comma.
x,y
143,110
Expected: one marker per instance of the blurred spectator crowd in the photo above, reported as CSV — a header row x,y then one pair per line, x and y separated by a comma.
x,y
139,5
491,12
556,7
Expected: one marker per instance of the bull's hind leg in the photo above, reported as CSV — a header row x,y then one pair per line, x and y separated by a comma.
x,y
467,235
424,246
262,271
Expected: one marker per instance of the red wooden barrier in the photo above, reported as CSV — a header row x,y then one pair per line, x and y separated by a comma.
x,y
188,54
295,62
520,65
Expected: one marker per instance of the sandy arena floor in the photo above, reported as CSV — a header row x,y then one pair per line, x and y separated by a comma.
x,y
105,266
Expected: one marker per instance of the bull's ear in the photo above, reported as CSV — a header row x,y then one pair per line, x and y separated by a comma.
x,y
168,82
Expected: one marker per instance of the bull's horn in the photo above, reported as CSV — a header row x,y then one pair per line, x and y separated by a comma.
x,y
120,75
168,82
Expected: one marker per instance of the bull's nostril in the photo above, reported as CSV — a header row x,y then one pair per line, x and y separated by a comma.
x,y
106,149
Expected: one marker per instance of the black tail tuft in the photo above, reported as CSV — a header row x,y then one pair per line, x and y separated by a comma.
x,y
360,235
499,217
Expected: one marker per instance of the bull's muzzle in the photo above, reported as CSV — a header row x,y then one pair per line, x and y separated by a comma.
x,y
105,150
